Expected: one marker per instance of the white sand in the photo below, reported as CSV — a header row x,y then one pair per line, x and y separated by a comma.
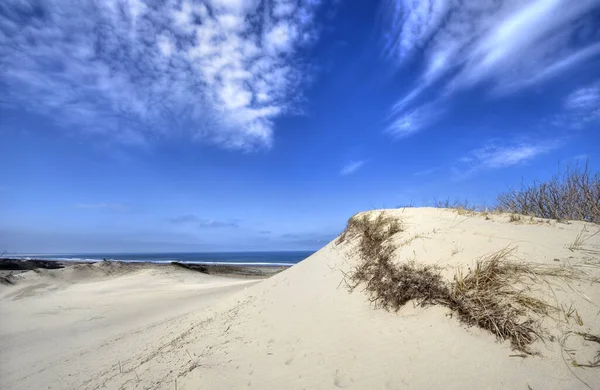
x,y
297,329
58,327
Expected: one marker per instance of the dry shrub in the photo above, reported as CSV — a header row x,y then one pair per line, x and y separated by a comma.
x,y
488,296
572,195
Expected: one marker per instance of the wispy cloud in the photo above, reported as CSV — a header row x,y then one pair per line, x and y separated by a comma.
x,y
211,223
219,70
184,218
584,105
580,108
496,155
352,167
426,172
101,206
410,122
587,99
193,219
505,45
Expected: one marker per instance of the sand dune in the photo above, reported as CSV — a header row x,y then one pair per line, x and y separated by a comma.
x,y
58,327
302,329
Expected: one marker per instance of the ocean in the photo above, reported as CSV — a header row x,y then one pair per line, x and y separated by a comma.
x,y
225,258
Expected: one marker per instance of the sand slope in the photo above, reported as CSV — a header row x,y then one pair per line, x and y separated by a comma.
x,y
58,327
301,329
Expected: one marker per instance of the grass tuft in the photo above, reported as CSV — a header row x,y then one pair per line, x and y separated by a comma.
x,y
580,239
373,231
514,218
489,296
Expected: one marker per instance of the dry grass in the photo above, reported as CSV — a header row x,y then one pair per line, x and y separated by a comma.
x,y
593,338
514,218
581,238
489,296
572,195
372,231
389,286
460,207
495,295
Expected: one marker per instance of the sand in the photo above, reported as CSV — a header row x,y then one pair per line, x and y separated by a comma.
x,y
300,329
59,326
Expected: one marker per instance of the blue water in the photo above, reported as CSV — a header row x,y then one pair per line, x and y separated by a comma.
x,y
235,258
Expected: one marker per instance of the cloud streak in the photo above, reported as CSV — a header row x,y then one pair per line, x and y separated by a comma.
x,y
211,223
352,167
580,108
585,99
497,155
193,219
219,70
505,45
184,218
413,121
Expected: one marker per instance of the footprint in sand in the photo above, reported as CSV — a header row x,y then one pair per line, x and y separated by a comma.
x,y
341,379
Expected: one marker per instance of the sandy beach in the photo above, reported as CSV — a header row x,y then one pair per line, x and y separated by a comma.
x,y
119,327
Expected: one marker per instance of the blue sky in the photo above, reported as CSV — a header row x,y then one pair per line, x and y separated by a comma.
x,y
264,125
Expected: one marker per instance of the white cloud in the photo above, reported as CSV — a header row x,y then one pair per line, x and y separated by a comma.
x,y
413,121
501,157
222,70
581,107
165,45
496,155
505,45
280,38
283,8
587,98
237,6
555,68
352,167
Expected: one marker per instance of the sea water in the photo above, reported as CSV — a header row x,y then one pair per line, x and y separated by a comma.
x,y
225,258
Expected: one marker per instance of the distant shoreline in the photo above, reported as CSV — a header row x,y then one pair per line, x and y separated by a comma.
x,y
10,265
258,258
